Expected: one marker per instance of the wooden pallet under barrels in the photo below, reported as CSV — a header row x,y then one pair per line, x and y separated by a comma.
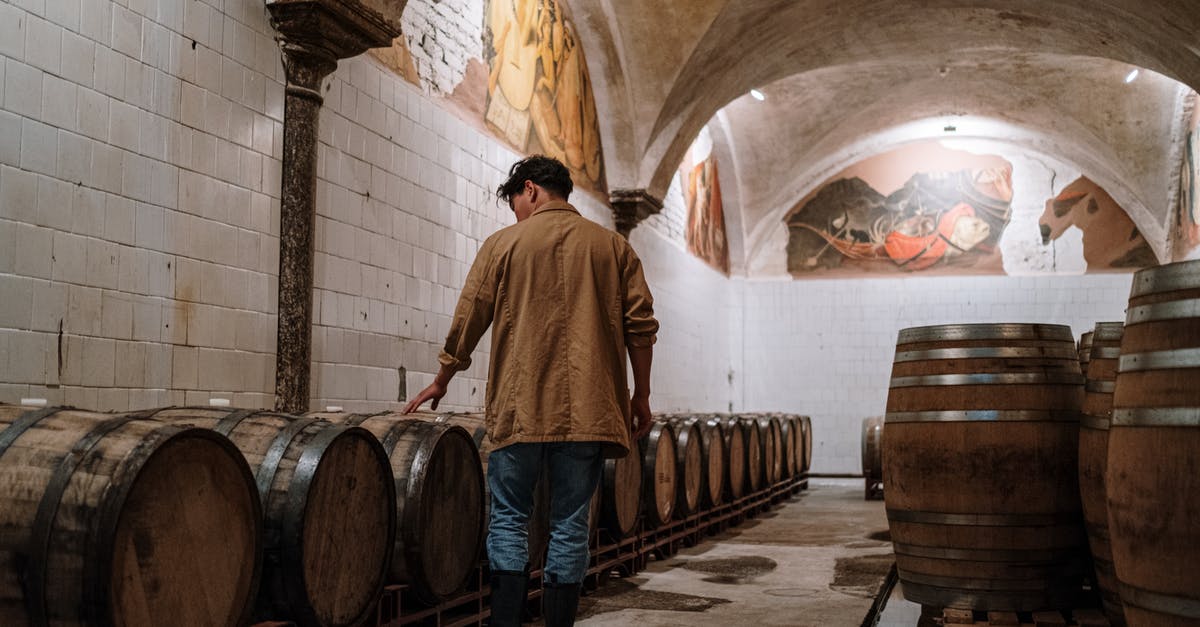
x,y
1089,617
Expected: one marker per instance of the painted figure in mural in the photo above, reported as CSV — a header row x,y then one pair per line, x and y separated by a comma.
x,y
538,80
1110,238
569,301
1188,226
705,232
935,217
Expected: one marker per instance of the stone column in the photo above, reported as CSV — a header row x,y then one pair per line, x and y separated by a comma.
x,y
313,35
631,206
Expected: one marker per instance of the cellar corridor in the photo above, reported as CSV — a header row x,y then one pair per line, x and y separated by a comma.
x,y
819,559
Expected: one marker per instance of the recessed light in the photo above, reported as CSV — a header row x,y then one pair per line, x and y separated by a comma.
x,y
758,95
1129,78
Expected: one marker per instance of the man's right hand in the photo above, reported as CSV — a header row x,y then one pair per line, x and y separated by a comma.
x,y
640,415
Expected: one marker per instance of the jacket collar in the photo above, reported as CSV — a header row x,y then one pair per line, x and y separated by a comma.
x,y
555,205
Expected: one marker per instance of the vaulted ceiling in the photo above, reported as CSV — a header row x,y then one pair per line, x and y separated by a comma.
x,y
845,79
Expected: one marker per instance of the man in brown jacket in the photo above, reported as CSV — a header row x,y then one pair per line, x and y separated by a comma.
x,y
566,300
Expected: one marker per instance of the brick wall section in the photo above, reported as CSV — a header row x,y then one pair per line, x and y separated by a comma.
x,y
442,35
670,222
825,348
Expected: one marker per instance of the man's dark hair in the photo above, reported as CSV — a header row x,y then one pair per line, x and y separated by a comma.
x,y
545,171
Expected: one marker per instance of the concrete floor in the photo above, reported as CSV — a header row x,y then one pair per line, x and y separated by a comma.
x,y
818,560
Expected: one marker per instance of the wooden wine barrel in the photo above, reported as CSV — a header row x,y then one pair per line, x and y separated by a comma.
x,y
1104,347
713,440
689,465
1153,475
113,519
806,432
980,465
772,448
787,435
1085,352
621,494
658,474
539,519
872,439
323,567
737,472
755,467
439,499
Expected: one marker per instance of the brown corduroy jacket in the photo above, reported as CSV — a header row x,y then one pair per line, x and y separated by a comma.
x,y
565,296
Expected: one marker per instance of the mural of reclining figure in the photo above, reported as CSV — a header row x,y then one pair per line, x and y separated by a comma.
x,y
934,216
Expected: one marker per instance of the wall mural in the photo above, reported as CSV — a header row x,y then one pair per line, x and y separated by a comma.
x,y
904,211
399,59
539,95
1110,239
705,229
1187,223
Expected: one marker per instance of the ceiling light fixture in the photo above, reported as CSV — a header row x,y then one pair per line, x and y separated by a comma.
x,y
758,95
1129,78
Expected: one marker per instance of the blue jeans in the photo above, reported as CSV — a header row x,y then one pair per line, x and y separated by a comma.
x,y
574,471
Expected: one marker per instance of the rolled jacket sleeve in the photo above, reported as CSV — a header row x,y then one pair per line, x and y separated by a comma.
x,y
475,309
641,328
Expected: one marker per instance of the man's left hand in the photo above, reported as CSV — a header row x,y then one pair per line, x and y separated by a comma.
x,y
434,391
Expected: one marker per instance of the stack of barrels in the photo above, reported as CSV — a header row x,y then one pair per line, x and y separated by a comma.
x,y
206,516
1011,451
213,516
694,462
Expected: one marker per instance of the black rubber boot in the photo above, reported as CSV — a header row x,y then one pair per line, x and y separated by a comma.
x,y
560,601
508,597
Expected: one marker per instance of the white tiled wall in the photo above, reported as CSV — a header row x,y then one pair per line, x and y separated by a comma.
x,y
695,307
403,202
139,183
825,348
